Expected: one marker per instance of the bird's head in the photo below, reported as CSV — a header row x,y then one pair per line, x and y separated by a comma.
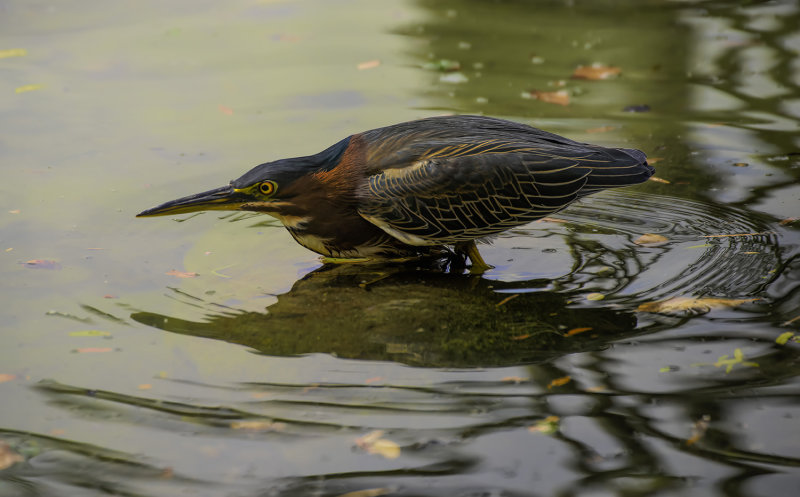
x,y
278,188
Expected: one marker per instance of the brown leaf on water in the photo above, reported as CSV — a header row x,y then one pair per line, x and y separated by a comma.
x,y
699,429
370,64
595,72
368,492
601,129
659,180
651,239
510,297
559,382
14,211
181,274
575,331
7,456
42,264
145,386
226,110
788,220
7,377
522,337
690,304
374,444
560,97
515,379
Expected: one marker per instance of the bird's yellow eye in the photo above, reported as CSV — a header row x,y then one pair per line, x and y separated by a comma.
x,y
267,187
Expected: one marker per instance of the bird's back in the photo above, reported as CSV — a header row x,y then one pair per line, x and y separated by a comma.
x,y
456,178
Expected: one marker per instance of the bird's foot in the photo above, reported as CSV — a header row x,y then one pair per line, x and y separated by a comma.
x,y
470,250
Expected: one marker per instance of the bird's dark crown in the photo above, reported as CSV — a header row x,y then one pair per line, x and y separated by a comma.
x,y
286,171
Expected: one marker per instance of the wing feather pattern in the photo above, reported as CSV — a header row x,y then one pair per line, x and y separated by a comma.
x,y
444,188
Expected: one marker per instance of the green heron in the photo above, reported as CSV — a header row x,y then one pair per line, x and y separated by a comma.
x,y
414,188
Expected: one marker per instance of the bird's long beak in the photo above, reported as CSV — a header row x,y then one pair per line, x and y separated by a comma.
x,y
224,198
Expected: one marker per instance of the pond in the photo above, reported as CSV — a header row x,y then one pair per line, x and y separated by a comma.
x,y
212,355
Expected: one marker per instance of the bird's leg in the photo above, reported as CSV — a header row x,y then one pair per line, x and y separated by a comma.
x,y
470,250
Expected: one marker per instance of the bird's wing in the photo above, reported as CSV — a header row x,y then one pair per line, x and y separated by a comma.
x,y
460,192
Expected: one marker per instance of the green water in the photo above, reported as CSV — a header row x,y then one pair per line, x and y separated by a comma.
x,y
260,375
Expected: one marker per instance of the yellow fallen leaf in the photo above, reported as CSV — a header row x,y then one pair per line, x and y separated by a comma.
x,y
547,425
782,339
595,72
559,382
258,425
370,64
595,296
23,89
651,239
374,444
13,52
511,297
691,304
575,331
659,180
90,333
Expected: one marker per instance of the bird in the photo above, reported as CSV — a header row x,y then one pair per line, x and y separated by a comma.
x,y
422,188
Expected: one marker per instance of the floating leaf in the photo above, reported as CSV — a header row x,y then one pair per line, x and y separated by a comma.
x,y
595,72
784,337
553,220
14,211
90,333
23,89
575,331
651,239
7,377
741,164
659,180
7,456
691,304
560,97
145,386
42,264
374,444
788,220
548,425
13,52
510,297
258,425
515,379
181,274
226,110
601,129
654,160
93,350
370,64
559,382
699,429
522,337
595,296
738,358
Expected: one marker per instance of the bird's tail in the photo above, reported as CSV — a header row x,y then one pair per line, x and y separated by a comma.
x,y
626,167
